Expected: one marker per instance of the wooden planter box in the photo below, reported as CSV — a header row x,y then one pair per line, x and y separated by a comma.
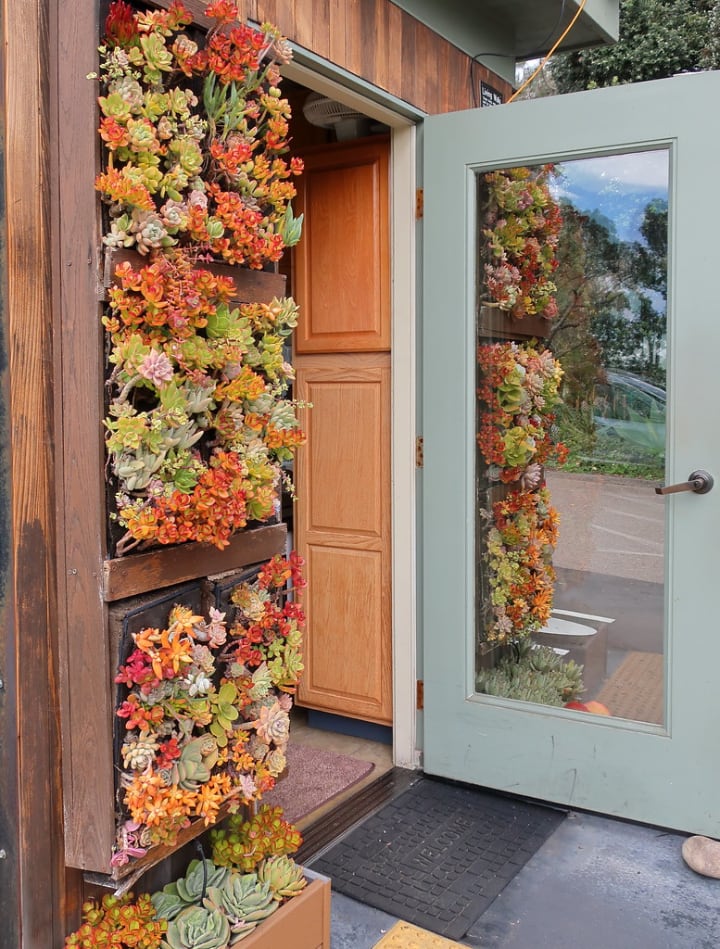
x,y
302,923
253,286
495,323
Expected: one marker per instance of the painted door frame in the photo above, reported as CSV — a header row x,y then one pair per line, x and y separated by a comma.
x,y
321,76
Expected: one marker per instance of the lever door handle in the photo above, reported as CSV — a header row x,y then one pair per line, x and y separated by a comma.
x,y
698,481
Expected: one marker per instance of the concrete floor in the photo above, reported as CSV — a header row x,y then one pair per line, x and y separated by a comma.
x,y
596,883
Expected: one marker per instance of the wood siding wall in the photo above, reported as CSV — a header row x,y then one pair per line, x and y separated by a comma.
x,y
381,43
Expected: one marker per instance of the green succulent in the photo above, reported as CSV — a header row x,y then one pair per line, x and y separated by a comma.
x,y
188,890
532,675
285,877
290,227
224,712
195,765
198,927
245,843
243,898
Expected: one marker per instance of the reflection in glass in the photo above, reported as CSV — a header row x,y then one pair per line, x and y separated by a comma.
x,y
571,329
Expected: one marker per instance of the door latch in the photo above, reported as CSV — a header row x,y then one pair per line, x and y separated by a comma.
x,y
698,481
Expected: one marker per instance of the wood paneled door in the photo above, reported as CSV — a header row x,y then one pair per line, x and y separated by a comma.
x,y
342,515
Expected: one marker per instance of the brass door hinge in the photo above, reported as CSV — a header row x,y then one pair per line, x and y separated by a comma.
x,y
419,451
419,203
420,695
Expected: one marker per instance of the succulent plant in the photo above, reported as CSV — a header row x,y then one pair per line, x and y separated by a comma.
x,y
188,890
224,712
243,898
244,843
197,927
195,765
285,877
118,921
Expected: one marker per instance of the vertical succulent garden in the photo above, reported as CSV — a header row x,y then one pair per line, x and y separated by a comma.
x,y
518,387
195,134
196,188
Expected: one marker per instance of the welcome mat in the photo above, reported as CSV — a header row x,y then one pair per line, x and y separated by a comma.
x,y
439,854
635,689
314,777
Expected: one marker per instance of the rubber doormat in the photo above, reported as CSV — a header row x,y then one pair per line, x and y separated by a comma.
x,y
439,854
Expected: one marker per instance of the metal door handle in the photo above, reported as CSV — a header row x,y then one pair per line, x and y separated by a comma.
x,y
698,481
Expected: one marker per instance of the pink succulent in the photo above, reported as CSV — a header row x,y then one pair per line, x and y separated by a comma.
x,y
156,368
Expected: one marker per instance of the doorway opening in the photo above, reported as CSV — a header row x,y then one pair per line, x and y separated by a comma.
x,y
344,519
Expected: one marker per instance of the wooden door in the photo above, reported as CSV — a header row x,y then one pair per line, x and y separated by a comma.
x,y
342,359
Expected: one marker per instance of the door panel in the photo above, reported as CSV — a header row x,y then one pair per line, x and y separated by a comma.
x,y
343,532
341,266
663,770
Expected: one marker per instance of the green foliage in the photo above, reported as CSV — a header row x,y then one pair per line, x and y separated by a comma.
x,y
284,877
658,38
188,890
198,928
118,921
532,674
245,843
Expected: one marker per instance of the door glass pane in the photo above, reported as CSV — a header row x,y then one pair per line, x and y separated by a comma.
x,y
571,407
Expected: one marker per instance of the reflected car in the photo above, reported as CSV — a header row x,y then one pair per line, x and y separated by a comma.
x,y
632,409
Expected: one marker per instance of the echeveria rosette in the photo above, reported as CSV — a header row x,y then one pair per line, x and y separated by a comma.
x,y
198,927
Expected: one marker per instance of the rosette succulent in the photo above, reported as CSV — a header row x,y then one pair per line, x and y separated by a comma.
x,y
285,877
188,890
243,899
198,927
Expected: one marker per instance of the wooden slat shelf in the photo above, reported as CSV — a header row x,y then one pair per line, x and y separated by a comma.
x,y
123,879
494,322
253,286
164,567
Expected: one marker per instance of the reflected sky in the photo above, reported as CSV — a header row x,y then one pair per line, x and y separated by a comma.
x,y
615,187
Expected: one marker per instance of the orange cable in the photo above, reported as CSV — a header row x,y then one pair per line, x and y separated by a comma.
x,y
567,29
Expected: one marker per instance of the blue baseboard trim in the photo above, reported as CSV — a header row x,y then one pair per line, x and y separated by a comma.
x,y
342,725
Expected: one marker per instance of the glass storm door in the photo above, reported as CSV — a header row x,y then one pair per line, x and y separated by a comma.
x,y
570,366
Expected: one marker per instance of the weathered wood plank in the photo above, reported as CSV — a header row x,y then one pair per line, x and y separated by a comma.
x,y
35,845
83,644
256,286
139,573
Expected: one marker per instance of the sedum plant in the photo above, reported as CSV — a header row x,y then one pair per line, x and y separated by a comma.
x,y
244,844
118,921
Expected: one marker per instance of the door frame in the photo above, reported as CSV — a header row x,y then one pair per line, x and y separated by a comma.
x,y
322,76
